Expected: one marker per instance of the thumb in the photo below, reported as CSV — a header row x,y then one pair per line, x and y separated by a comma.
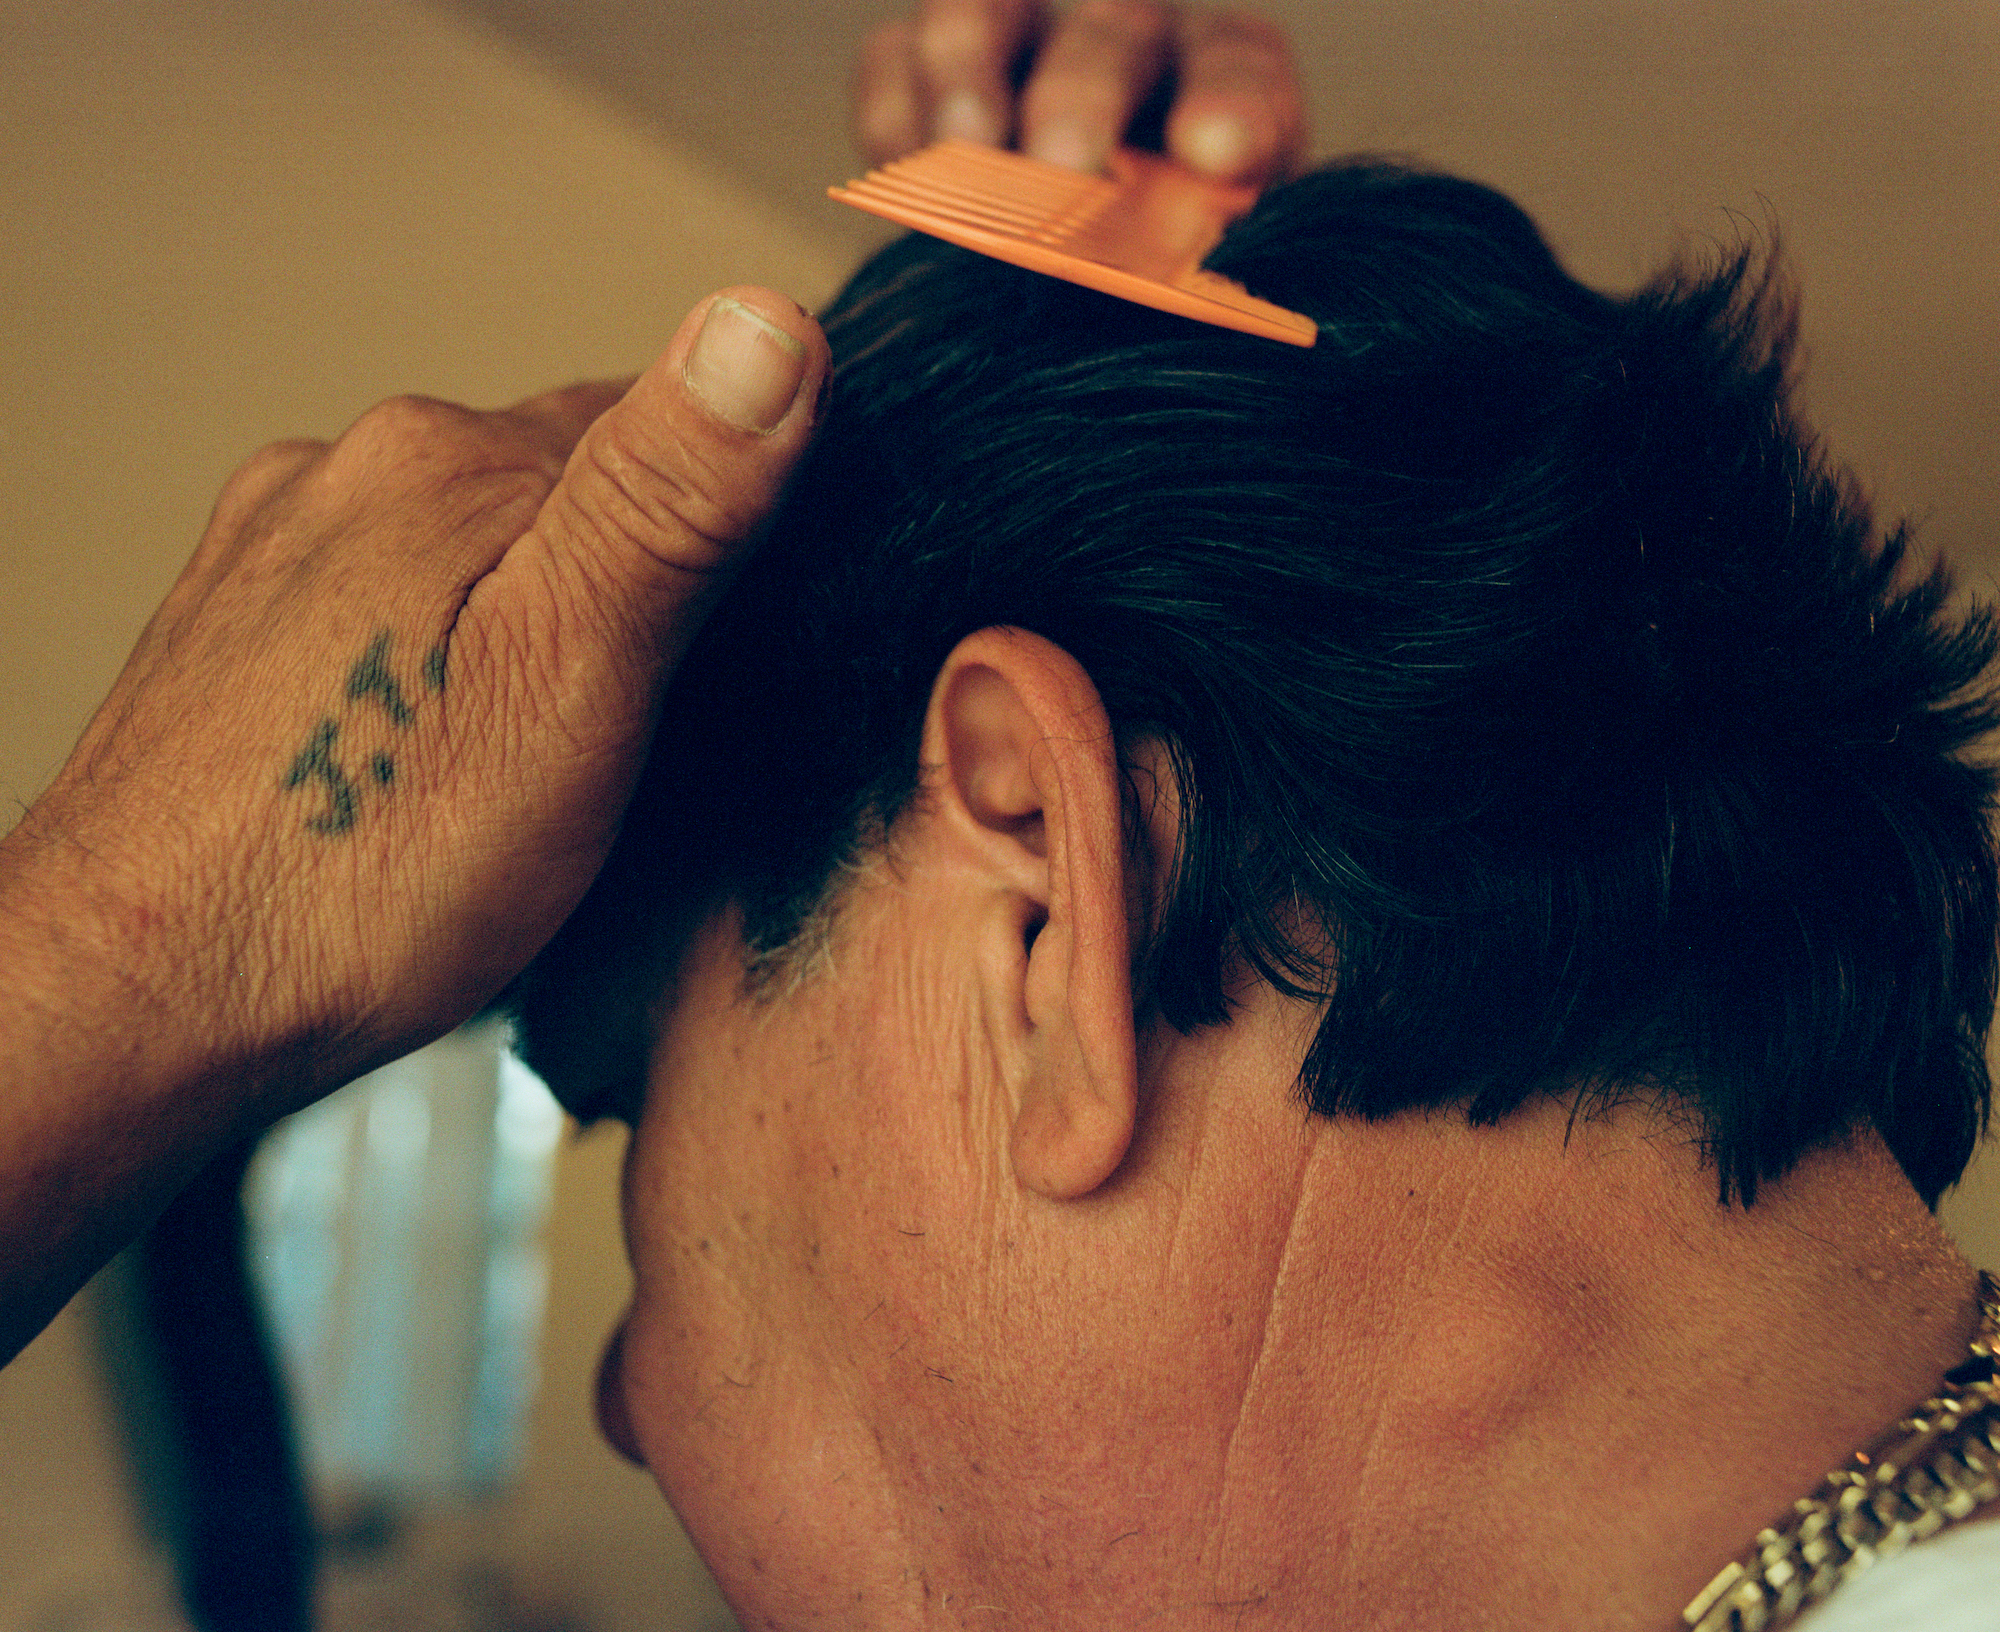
x,y
664,489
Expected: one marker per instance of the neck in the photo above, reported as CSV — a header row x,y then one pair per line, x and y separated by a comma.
x,y
1301,1373
1589,1384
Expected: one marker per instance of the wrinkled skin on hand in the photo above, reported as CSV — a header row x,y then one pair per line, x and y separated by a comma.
x,y
377,741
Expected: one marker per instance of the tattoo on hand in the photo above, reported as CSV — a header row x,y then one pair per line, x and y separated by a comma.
x,y
370,681
317,764
371,678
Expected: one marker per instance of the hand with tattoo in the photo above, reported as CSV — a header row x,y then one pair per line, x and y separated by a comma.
x,y
363,762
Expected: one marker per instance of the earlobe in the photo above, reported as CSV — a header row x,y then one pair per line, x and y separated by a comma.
x,y
1028,781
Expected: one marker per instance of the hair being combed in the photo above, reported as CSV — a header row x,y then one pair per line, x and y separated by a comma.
x,y
1543,706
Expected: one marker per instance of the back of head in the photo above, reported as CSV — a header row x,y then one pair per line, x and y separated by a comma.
x,y
1542,706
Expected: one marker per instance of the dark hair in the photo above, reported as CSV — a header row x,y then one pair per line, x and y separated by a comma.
x,y
1541,702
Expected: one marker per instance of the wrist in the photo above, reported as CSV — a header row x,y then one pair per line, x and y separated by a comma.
x,y
106,983
106,1106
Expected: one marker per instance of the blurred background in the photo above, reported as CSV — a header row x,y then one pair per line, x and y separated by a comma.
x,y
227,222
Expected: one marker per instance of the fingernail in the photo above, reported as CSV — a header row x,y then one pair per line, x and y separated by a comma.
x,y
744,367
966,117
1067,145
1218,143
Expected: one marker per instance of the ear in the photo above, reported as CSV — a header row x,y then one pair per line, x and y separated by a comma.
x,y
1025,786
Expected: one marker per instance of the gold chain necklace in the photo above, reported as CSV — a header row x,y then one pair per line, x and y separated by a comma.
x,y
1934,1467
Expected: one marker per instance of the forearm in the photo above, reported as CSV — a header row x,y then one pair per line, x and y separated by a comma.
x,y
363,762
106,1105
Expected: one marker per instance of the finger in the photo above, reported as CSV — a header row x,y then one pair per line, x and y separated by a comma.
x,y
965,50
1240,113
1101,63
888,98
666,486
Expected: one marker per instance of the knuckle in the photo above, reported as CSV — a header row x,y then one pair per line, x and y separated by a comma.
x,y
400,442
279,458
258,485
410,421
420,444
267,469
432,471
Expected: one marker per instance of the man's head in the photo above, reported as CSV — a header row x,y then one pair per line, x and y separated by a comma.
x,y
1130,730
1535,699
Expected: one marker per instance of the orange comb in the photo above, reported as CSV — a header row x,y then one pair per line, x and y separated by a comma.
x,y
1139,234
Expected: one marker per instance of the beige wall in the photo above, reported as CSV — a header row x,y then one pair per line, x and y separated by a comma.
x,y
229,221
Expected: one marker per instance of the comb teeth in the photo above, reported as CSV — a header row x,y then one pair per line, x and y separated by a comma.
x,y
1045,220
1141,234
1044,198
